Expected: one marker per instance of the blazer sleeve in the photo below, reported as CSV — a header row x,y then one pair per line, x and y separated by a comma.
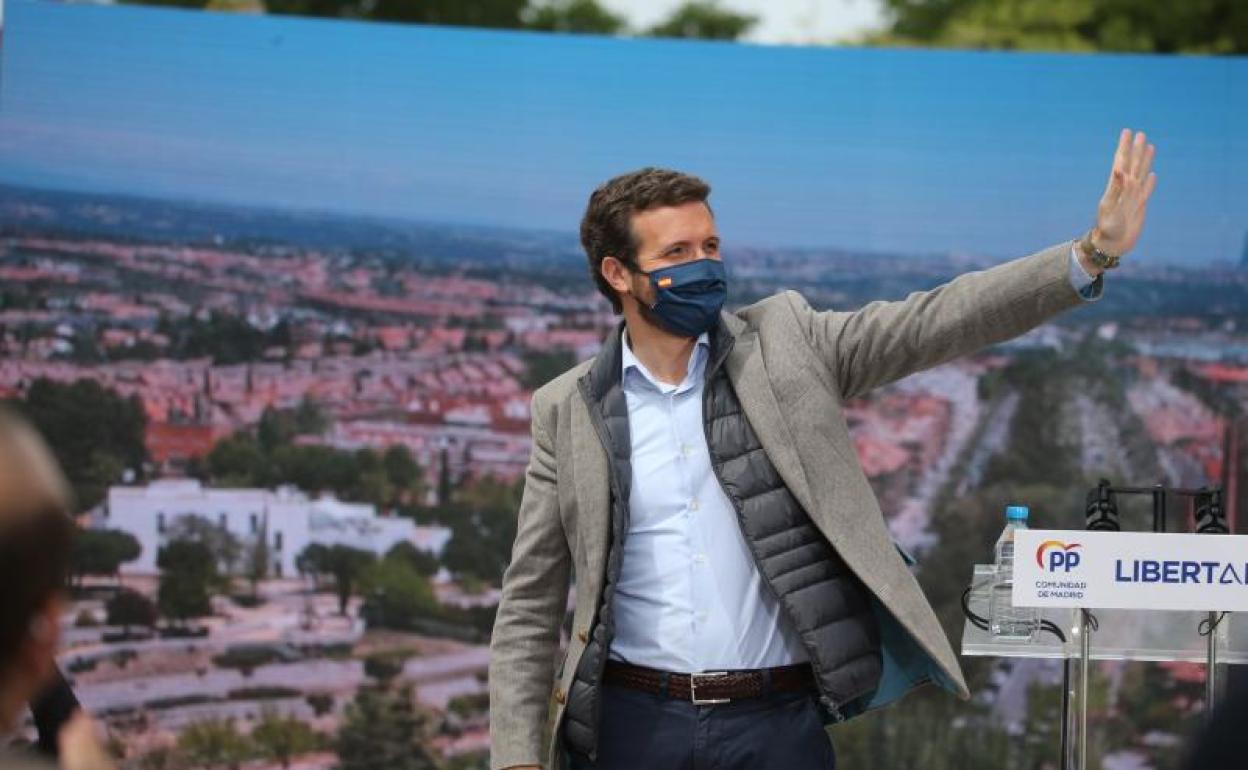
x,y
534,599
885,341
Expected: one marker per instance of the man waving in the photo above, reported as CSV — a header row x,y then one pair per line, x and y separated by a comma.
x,y
736,586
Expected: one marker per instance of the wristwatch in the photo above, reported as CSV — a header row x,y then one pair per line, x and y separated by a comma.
x,y
1099,258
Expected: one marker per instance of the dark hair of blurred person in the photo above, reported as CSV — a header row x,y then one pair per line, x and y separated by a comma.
x,y
36,533
35,536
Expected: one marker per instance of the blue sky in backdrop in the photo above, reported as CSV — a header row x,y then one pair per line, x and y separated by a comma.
x,y
905,151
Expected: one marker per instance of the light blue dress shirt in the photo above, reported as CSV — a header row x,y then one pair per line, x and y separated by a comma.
x,y
690,597
1082,282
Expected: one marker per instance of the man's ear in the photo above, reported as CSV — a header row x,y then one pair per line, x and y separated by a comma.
x,y
616,274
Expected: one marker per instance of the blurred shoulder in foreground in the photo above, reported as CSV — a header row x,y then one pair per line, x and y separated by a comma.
x,y
36,533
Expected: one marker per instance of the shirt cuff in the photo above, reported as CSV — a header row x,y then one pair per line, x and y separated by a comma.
x,y
1088,287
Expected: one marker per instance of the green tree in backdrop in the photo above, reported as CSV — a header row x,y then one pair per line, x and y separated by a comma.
x,y
94,432
696,18
483,527
188,573
704,20
214,743
281,737
386,730
585,16
225,549
269,458
1143,26
101,552
397,596
346,565
130,608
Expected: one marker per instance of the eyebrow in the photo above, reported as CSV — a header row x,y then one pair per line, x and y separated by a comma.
x,y
685,242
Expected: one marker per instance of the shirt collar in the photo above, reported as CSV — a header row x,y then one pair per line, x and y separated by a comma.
x,y
630,362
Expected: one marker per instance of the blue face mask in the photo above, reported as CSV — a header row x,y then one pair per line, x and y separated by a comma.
x,y
688,296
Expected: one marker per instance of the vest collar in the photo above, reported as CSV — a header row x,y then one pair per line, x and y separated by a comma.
x,y
604,372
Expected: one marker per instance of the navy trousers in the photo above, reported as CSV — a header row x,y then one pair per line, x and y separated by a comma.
x,y
778,731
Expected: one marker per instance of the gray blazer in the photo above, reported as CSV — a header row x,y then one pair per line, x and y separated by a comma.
x,y
792,367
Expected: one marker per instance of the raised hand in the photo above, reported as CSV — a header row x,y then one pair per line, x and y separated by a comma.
x,y
1120,214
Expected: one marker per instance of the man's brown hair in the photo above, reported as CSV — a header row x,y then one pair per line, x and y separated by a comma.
x,y
607,227
35,531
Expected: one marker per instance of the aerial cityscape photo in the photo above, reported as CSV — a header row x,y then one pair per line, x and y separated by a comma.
x,y
282,332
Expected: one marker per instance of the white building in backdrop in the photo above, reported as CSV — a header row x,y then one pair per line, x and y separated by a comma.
x,y
289,519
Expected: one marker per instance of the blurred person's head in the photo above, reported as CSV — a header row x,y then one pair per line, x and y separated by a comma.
x,y
653,249
35,535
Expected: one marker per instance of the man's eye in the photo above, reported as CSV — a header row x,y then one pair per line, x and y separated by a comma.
x,y
712,248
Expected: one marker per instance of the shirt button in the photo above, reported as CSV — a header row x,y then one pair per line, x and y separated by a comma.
x,y
699,559
693,505
685,450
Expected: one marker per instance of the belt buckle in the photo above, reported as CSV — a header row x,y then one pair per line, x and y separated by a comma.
x,y
693,689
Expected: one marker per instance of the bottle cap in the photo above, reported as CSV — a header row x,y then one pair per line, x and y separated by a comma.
x,y
1016,512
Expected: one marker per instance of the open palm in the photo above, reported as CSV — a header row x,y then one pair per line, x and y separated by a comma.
x,y
1120,214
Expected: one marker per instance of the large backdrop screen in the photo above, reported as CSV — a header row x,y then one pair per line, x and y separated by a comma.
x,y
278,292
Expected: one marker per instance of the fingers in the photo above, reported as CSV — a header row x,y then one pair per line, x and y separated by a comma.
x,y
1120,163
1139,148
1123,151
1132,174
1113,191
1140,182
1150,152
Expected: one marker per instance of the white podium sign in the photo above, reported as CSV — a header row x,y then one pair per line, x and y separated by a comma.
x,y
1130,570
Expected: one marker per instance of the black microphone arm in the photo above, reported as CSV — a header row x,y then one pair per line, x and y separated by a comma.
x,y
1101,511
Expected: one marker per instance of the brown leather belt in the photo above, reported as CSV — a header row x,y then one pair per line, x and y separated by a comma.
x,y
707,687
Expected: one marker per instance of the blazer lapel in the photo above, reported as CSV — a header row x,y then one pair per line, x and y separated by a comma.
x,y
593,496
589,461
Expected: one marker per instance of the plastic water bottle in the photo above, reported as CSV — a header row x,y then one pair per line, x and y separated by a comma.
x,y
1005,621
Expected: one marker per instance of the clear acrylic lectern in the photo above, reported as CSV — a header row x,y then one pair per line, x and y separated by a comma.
x,y
1141,635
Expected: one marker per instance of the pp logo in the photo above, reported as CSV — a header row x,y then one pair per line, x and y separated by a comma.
x,y
1054,555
